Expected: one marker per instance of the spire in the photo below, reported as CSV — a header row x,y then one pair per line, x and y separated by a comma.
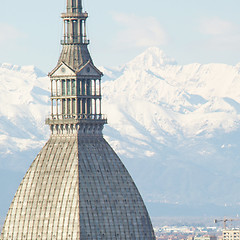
x,y
74,6
75,52
75,82
75,31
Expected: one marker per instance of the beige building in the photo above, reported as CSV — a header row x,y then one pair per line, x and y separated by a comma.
x,y
206,237
231,234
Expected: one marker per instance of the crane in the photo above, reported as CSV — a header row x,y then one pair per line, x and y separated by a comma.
x,y
225,220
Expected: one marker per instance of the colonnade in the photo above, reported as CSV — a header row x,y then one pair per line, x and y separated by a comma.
x,y
77,98
75,31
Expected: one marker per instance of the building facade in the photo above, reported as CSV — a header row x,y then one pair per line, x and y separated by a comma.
x,y
233,234
77,187
205,237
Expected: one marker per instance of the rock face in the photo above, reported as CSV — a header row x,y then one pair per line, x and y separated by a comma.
x,y
77,188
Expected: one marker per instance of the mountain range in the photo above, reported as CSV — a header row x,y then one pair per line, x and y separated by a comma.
x,y
176,128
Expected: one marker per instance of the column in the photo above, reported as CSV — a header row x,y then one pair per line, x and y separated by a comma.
x,y
61,106
80,107
68,31
56,94
100,93
71,31
52,107
51,88
79,30
76,107
95,106
80,87
66,107
65,87
71,5
95,87
76,99
57,107
64,30
71,87
85,32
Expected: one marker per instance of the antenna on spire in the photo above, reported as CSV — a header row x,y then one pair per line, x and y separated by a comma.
x,y
80,6
74,6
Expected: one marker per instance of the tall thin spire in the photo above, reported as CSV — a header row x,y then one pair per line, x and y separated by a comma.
x,y
75,82
75,31
75,52
74,6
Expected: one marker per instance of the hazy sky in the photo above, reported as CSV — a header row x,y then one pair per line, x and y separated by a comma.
x,y
188,30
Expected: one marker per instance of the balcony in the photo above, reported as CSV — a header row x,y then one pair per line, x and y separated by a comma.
x,y
75,15
75,118
74,40
74,96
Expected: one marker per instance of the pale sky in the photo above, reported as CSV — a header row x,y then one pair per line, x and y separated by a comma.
x,y
190,31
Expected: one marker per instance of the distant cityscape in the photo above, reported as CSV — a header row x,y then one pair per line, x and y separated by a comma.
x,y
190,228
195,229
187,233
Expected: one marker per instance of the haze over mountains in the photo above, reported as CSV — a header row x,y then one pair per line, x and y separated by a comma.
x,y
176,128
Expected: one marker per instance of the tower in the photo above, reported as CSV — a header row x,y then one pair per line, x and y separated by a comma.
x,y
75,82
77,187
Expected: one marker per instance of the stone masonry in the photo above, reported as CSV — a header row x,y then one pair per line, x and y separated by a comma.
x,y
77,188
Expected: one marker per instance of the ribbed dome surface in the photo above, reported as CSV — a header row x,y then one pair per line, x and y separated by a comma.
x,y
77,188
75,56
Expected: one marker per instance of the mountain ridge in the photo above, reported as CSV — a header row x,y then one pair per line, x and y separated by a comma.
x,y
175,127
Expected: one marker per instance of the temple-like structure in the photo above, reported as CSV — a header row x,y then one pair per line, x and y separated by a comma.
x,y
77,188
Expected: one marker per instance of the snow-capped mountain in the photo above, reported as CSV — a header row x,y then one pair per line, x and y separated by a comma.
x,y
24,103
179,127
176,128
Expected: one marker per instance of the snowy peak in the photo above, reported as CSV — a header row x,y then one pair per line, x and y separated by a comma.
x,y
24,104
194,99
30,70
177,118
152,57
